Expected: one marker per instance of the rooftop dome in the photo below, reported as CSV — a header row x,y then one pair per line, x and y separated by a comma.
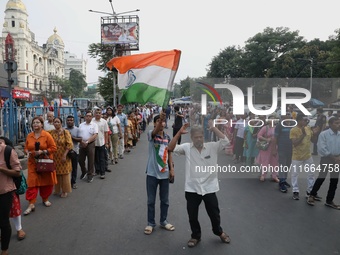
x,y
16,5
55,39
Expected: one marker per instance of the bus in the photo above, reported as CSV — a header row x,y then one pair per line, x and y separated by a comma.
x,y
84,104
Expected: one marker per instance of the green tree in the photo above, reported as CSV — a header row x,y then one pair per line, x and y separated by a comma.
x,y
227,63
77,83
103,54
262,50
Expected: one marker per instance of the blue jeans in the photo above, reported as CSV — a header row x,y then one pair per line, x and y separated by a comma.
x,y
285,160
151,190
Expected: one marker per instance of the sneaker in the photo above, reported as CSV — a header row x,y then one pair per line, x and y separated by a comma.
x,y
102,177
310,200
90,179
332,205
74,186
287,184
316,197
83,176
121,157
283,187
296,196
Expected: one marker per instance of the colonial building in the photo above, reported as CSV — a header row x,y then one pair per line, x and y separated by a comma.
x,y
38,66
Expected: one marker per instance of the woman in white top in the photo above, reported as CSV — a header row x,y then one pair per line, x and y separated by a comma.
x,y
116,133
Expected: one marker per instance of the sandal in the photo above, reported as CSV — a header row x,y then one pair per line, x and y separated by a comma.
x,y
168,226
30,208
21,235
148,230
47,203
225,238
193,242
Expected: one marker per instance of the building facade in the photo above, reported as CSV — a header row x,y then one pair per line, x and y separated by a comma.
x,y
38,66
72,62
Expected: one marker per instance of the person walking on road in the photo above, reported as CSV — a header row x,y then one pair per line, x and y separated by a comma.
x,y
329,150
74,131
201,185
159,172
7,187
284,150
62,162
302,160
88,131
39,143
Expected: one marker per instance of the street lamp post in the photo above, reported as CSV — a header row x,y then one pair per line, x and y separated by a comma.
x,y
10,67
311,76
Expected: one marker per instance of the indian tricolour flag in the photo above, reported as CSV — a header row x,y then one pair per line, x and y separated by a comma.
x,y
146,77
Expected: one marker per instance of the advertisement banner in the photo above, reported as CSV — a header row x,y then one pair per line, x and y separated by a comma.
x,y
120,33
21,94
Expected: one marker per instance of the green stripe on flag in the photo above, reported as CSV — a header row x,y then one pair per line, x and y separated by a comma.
x,y
143,93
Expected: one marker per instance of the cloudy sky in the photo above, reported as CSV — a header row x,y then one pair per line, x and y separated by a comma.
x,y
200,29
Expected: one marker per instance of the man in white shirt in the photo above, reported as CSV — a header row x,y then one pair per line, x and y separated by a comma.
x,y
101,141
48,124
199,183
88,131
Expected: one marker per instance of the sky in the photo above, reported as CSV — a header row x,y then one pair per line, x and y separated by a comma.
x,y
200,29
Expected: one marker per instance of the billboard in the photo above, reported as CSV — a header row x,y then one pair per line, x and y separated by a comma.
x,y
120,33
21,94
120,30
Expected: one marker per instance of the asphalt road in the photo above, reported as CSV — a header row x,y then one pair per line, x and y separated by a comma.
x,y
108,217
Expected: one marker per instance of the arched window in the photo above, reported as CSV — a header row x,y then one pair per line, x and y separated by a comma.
x,y
35,84
40,85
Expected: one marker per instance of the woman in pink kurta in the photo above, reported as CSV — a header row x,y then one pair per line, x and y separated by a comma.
x,y
42,182
267,158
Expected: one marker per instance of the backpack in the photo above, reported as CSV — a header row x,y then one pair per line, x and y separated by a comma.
x,y
17,180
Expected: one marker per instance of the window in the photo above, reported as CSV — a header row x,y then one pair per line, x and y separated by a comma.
x,y
35,84
28,83
40,85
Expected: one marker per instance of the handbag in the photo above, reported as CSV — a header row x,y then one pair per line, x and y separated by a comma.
x,y
262,145
71,154
45,165
130,137
23,185
20,182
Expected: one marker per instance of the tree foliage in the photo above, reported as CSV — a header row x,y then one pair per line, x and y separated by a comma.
x,y
74,86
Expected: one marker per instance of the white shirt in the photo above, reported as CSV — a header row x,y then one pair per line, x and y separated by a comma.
x,y
198,178
114,122
240,126
87,130
102,128
48,126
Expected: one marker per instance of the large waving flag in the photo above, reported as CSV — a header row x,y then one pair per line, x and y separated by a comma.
x,y
146,77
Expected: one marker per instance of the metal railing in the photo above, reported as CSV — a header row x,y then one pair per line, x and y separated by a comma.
x,y
23,116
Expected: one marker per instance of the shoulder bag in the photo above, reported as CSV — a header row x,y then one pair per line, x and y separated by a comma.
x,y
263,145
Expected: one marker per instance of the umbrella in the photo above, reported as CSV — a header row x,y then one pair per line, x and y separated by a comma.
x,y
316,103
